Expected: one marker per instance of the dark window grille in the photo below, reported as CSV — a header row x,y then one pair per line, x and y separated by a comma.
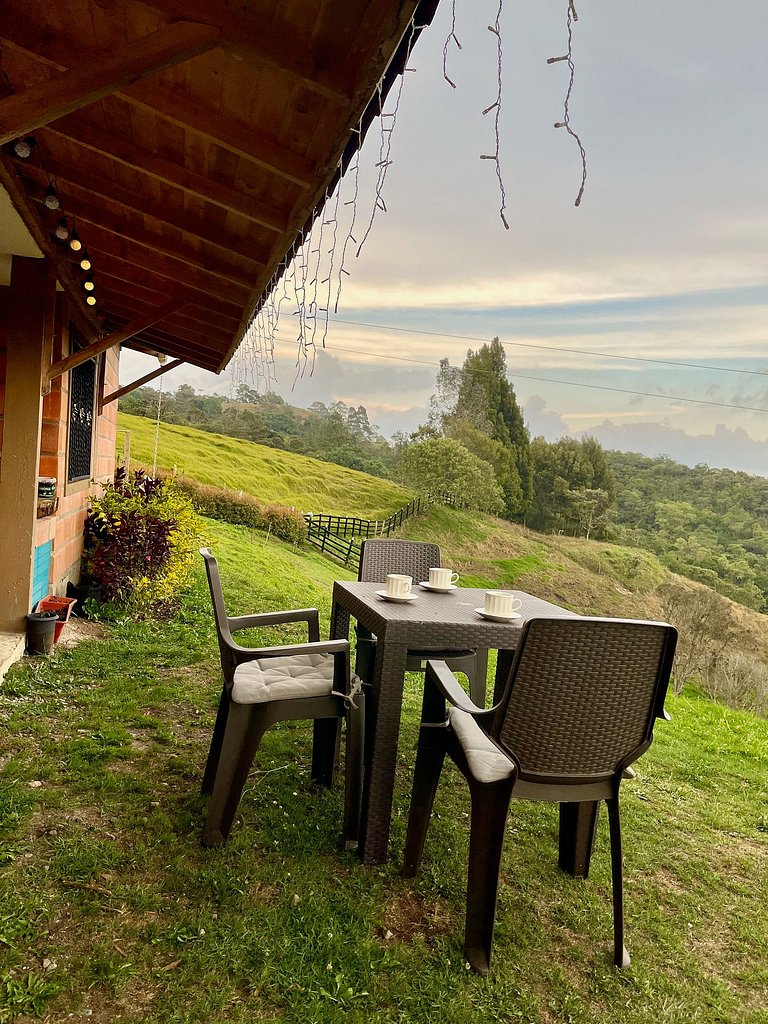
x,y
82,387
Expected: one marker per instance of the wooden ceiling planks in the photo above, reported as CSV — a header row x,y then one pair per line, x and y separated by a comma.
x,y
194,181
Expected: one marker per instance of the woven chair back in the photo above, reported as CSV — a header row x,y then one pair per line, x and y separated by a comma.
x,y
412,558
583,695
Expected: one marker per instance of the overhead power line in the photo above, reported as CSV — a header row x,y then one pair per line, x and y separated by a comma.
x,y
555,348
553,380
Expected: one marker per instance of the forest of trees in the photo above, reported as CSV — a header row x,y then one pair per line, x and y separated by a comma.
x,y
710,525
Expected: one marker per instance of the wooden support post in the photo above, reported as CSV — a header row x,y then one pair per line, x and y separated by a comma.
x,y
116,338
21,436
127,388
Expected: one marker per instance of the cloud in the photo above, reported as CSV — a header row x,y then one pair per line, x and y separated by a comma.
x,y
726,448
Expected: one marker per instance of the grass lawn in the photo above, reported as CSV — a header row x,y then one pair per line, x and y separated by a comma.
x,y
111,910
268,474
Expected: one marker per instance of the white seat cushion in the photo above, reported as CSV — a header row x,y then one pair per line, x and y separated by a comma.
x,y
486,762
299,675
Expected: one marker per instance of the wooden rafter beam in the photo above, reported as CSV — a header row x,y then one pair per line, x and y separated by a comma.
x,y
13,184
271,46
232,135
199,324
127,388
152,262
127,309
220,266
86,83
84,134
163,287
111,340
169,103
97,188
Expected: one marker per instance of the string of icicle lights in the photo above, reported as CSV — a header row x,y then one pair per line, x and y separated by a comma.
x,y
309,279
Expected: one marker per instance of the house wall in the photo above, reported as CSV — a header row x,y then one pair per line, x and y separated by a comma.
x,y
65,528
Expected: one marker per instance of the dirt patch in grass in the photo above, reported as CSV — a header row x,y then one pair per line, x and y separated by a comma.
x,y
408,917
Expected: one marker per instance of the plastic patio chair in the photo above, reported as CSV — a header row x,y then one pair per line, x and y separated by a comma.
x,y
414,558
264,685
578,709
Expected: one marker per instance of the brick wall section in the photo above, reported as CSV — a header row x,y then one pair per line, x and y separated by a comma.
x,y
65,528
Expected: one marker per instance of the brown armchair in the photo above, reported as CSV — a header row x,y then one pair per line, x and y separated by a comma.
x,y
264,685
414,558
579,708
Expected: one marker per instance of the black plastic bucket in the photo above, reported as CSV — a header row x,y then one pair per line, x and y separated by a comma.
x,y
41,630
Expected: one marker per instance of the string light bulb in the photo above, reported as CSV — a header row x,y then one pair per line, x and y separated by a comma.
x,y
85,261
88,283
74,243
91,300
62,230
23,147
51,200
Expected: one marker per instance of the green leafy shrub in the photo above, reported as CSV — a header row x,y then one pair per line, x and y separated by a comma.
x,y
242,509
141,534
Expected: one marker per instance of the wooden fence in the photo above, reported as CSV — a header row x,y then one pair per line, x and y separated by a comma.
x,y
346,550
334,535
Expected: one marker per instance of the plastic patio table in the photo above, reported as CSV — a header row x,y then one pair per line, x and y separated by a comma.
x,y
440,622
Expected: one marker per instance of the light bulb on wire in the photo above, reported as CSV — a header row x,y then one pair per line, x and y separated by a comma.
x,y
85,262
51,200
74,243
62,230
91,300
23,147
88,283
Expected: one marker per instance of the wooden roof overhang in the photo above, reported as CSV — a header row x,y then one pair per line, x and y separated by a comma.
x,y
191,143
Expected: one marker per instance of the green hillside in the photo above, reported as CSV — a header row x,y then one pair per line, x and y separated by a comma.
x,y
268,474
591,577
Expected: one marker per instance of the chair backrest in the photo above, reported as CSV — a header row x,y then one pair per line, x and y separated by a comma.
x,y
410,557
219,613
582,697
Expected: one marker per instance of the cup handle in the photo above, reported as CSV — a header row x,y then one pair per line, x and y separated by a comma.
x,y
517,604
454,578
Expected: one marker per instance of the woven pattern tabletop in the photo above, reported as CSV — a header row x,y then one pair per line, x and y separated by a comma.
x,y
447,621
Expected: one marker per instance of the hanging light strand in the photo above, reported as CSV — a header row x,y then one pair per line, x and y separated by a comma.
x,y
387,123
571,17
450,38
496,106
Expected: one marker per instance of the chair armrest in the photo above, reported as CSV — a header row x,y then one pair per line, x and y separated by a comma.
x,y
308,615
244,654
449,686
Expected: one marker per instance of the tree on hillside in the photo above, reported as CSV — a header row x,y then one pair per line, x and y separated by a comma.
x,y
501,459
476,404
573,487
443,465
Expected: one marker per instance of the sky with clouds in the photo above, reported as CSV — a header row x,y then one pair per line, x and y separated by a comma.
x,y
664,263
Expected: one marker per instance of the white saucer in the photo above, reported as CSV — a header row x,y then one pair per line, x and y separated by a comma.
x,y
398,600
438,590
498,618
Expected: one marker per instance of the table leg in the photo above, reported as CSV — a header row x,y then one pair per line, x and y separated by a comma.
x,y
578,823
364,654
339,622
381,753
503,666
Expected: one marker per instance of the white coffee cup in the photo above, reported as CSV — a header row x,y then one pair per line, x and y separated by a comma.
x,y
501,602
398,585
442,579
